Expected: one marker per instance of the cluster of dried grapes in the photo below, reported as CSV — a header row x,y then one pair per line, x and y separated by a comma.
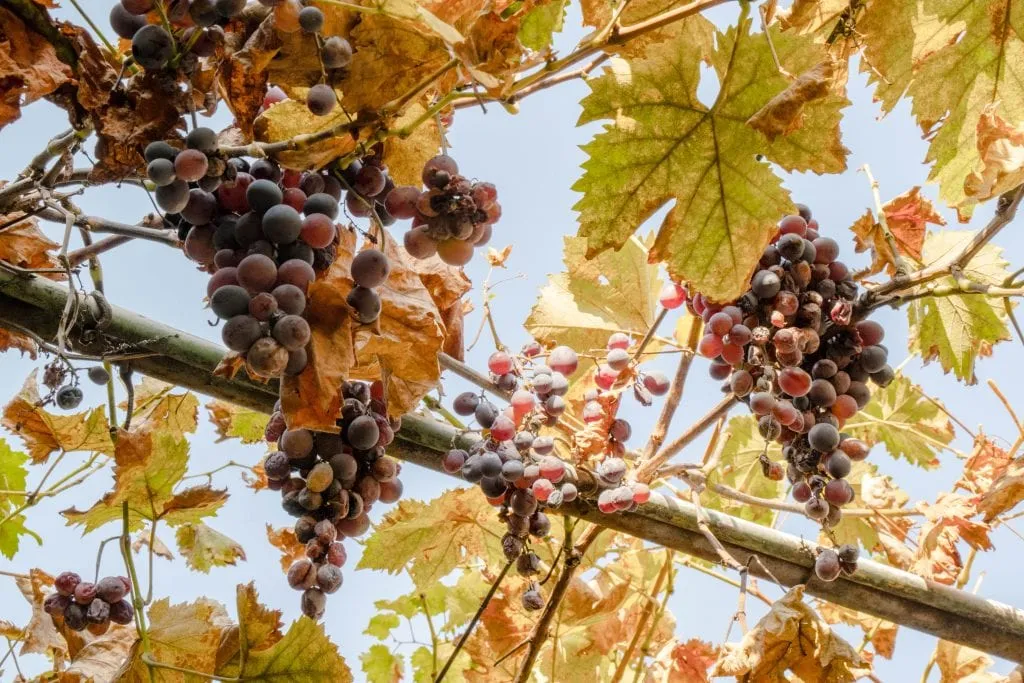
x,y
61,378
196,28
84,605
791,349
330,482
450,218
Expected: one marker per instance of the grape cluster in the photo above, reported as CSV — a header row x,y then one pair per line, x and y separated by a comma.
x,y
330,482
93,606
829,563
791,349
61,378
451,217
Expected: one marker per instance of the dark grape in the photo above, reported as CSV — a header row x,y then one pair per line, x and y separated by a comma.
x,y
337,53
161,172
152,46
257,273
261,195
173,197
125,22
321,99
68,397
66,582
826,566
370,267
363,433
321,202
203,139
311,19
292,332
266,357
281,223
823,437
229,301
365,304
314,602
240,332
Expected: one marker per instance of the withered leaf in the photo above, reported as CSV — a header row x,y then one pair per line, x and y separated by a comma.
x,y
907,216
29,67
784,113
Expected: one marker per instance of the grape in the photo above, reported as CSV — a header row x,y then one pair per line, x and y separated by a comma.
x,y
822,393
201,207
203,12
816,509
276,465
465,403
370,268
203,139
826,565
55,604
873,358
172,198
85,592
564,360
710,345
314,602
161,172
418,243
523,402
199,244
98,612
656,383
741,383
321,99
266,358
793,225
841,381
311,19
838,464
871,333
860,393
318,231
810,253
159,149
455,252
442,163
261,195
229,301
125,22
790,246
823,437
507,382
111,589
266,169
884,377
302,574
365,304
826,250
824,369
620,430
152,46
229,8
391,491
794,381
672,296
358,206
363,433
319,478
297,273
801,492
281,223
98,374
369,181
66,582
337,53
618,359
290,299
401,201
74,617
257,273
765,284
321,202
240,332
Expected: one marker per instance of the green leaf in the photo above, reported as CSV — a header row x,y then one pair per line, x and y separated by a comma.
x,y
957,330
204,547
665,145
740,468
972,56
381,625
910,424
538,26
582,307
13,475
380,665
235,422
304,655
434,538
11,532
464,598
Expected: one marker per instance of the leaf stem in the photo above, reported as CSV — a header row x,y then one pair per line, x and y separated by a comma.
x,y
137,603
433,635
675,393
652,465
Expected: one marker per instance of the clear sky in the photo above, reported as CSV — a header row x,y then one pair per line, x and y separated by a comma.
x,y
533,158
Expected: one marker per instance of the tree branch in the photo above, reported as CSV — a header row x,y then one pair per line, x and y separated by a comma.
x,y
648,468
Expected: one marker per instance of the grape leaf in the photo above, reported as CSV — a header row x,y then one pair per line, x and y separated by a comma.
x,y
204,547
664,144
986,465
882,633
304,655
284,540
13,475
946,523
156,401
24,245
906,421
292,117
185,635
242,77
956,330
382,624
380,665
740,468
961,664
982,68
871,490
685,662
40,634
148,464
907,217
791,637
43,432
784,113
29,67
434,538
235,422
160,548
405,156
1006,491
542,21
16,340
615,291
1001,158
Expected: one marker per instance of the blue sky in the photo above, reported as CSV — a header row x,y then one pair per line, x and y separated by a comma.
x,y
533,158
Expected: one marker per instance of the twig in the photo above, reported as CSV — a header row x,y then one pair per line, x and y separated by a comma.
x,y
675,394
647,470
99,555
651,331
79,256
540,629
473,622
140,615
645,614
14,658
901,264
433,635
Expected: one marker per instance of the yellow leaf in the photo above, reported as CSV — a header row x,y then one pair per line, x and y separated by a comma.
x,y
233,421
434,538
663,144
881,632
101,657
156,401
304,655
1006,491
185,635
907,217
791,637
961,664
204,547
405,157
292,117
956,330
1001,153
784,113
44,432
740,468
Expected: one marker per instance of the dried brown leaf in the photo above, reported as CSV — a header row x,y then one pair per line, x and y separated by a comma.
x,y
29,67
1006,492
284,540
10,340
497,258
881,632
988,462
242,80
679,662
24,245
784,113
1001,148
961,664
907,216
947,522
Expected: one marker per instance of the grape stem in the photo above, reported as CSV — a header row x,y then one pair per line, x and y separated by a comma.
x,y
653,464
473,622
140,616
675,394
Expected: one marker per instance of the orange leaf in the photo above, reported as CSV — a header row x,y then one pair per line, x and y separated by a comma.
x,y
947,522
17,340
24,245
987,463
907,216
685,662
1001,148
29,67
313,398
242,81
1006,491
284,540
